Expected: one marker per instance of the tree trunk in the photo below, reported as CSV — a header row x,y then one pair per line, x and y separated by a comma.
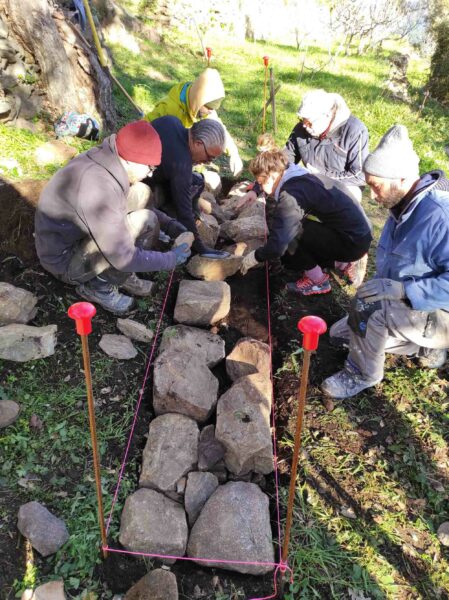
x,y
70,75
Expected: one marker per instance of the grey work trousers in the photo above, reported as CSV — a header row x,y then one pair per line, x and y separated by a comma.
x,y
394,328
88,261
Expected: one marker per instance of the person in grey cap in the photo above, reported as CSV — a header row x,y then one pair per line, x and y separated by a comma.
x,y
404,309
176,189
329,140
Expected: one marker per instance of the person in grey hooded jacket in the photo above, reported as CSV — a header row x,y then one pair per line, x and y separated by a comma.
x,y
91,227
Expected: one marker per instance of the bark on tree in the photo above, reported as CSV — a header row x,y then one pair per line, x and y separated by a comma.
x,y
70,75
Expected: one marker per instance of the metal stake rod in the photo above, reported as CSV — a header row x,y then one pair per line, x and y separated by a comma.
x,y
273,102
312,328
82,313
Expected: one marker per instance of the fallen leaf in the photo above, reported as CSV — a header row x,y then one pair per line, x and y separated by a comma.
x,y
36,422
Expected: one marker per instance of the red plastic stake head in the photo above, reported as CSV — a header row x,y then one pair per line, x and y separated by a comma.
x,y
82,313
265,60
312,327
208,53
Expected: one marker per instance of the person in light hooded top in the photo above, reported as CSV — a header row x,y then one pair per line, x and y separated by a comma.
x,y
192,101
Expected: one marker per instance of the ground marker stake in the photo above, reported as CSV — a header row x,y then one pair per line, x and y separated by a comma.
x,y
312,327
208,55
265,62
82,313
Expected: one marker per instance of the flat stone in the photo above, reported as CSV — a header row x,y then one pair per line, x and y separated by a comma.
x,y
443,533
152,523
53,590
134,330
212,182
210,450
159,584
9,412
200,486
46,532
244,248
247,357
202,302
171,451
208,229
243,229
16,305
184,238
53,152
243,425
234,525
213,269
21,343
205,345
184,384
255,209
117,346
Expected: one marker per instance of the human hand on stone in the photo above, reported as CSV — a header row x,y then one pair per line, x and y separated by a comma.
x,y
182,253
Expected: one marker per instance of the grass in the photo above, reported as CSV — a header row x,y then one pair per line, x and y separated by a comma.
x,y
396,487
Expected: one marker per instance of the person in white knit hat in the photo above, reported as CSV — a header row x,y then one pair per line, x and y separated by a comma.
x,y
404,309
329,140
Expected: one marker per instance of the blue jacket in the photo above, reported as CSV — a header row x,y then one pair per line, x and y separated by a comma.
x,y
414,247
340,155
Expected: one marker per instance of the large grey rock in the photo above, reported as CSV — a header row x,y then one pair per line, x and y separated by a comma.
x,y
134,330
154,524
159,584
208,204
234,525
247,357
213,269
9,412
202,302
171,451
200,486
208,229
255,209
24,342
243,425
212,182
243,229
117,346
46,532
203,344
53,590
16,305
443,533
210,450
183,384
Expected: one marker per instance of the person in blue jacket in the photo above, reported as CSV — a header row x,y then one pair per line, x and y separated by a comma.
x,y
330,140
404,309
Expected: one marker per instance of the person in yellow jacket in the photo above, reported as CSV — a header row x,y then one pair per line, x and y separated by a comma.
x,y
190,102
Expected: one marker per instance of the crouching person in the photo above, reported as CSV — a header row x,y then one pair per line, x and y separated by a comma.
x,y
316,224
91,229
405,308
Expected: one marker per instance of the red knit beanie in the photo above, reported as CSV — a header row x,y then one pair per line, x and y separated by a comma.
x,y
139,142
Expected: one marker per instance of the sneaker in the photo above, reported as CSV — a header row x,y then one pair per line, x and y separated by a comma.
x,y
106,295
137,287
356,271
346,383
432,358
307,287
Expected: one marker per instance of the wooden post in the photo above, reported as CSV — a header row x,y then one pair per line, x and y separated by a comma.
x,y
273,102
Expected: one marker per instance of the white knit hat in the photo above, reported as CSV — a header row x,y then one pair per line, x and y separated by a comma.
x,y
394,157
315,103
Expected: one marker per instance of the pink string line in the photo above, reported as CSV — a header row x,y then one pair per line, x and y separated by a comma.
x,y
283,567
142,389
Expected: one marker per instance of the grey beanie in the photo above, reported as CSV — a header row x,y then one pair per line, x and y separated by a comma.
x,y
394,157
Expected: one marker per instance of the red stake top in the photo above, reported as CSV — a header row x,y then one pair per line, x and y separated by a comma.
x,y
82,313
265,60
312,327
208,53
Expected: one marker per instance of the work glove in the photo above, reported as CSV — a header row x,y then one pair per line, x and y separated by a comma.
x,y
212,253
381,289
248,262
182,253
235,163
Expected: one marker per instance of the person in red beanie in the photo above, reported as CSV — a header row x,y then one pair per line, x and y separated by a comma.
x,y
92,229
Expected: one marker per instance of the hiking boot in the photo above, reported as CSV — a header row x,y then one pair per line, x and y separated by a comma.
x,y
106,295
356,271
432,358
137,287
307,287
346,383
